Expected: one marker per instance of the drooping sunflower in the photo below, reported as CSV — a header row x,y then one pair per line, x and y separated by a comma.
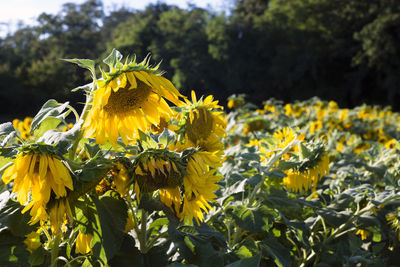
x,y
190,199
130,97
41,175
121,178
303,180
157,169
203,123
200,185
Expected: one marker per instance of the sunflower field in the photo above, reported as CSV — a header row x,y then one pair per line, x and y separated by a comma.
x,y
146,176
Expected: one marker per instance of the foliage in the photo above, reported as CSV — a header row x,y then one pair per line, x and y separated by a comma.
x,y
306,183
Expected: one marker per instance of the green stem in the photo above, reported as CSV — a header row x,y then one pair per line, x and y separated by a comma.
x,y
270,164
228,227
75,113
143,234
215,214
84,114
46,233
154,240
54,250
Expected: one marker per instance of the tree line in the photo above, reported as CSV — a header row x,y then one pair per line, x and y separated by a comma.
x,y
345,50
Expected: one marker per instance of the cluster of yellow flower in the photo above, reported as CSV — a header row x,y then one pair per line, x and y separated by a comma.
x,y
128,102
40,175
24,127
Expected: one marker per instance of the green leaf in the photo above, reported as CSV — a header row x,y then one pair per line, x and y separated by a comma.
x,y
247,248
112,213
146,141
237,187
333,217
255,220
286,165
37,256
84,63
62,140
304,152
245,262
128,254
50,109
281,255
105,219
13,251
11,218
167,137
49,123
93,169
6,128
92,150
113,59
87,88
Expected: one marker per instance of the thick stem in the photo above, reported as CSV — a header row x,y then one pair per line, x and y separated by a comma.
x,y
143,234
54,250
84,114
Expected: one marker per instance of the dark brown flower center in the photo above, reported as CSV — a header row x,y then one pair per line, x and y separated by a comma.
x,y
125,100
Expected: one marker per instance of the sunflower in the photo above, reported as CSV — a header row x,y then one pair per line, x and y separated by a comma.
x,y
129,98
41,175
254,124
299,180
203,123
83,243
199,184
159,169
23,127
121,178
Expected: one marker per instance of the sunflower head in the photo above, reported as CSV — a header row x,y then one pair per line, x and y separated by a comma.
x,y
312,165
130,97
156,169
203,123
121,174
38,175
254,124
236,101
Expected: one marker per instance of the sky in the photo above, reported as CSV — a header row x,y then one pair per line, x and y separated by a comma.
x,y
12,11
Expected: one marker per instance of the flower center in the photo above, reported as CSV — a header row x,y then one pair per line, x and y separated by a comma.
x,y
201,126
125,100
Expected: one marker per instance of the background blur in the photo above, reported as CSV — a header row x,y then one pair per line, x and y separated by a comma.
x,y
342,50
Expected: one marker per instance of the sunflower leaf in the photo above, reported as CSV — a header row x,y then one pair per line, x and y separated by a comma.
x,y
146,141
113,59
167,137
51,109
252,261
6,128
84,63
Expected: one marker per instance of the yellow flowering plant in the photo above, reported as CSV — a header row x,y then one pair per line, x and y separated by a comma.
x,y
146,176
